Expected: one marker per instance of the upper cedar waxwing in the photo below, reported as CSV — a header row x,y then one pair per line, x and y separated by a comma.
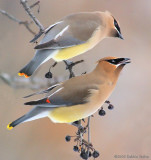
x,y
78,97
72,36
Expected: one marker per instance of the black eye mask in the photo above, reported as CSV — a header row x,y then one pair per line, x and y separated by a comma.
x,y
115,61
117,26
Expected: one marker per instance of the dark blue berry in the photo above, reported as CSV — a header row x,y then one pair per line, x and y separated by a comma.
x,y
68,138
102,112
90,154
75,148
110,106
83,155
95,154
48,75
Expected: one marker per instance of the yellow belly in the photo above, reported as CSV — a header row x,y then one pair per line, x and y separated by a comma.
x,y
66,114
73,113
71,52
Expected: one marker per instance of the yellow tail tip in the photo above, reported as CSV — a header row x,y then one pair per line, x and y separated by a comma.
x,y
20,74
23,74
9,127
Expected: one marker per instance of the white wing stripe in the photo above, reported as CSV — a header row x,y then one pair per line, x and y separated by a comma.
x,y
61,33
47,29
56,91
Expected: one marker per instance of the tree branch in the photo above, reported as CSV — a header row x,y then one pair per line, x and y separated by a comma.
x,y
35,4
89,137
10,16
31,83
70,65
29,12
25,23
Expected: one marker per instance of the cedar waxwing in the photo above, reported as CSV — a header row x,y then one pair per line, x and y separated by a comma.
x,y
78,97
72,36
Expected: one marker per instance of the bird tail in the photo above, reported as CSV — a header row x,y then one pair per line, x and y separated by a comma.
x,y
36,113
41,56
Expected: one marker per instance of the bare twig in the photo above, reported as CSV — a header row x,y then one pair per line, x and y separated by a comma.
x,y
25,23
35,4
10,16
89,136
70,65
29,12
34,83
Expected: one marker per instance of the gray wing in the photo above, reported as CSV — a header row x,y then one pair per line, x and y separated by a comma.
x,y
59,37
66,95
42,32
69,32
44,91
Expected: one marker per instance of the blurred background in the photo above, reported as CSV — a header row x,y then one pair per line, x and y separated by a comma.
x,y
124,130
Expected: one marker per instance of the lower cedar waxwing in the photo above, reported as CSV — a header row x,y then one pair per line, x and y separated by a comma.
x,y
72,36
78,97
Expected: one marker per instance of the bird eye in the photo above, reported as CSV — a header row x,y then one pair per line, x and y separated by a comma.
x,y
115,22
113,61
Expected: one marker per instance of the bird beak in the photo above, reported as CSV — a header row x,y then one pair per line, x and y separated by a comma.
x,y
125,61
120,35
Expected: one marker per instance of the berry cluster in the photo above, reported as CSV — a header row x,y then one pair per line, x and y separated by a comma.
x,y
102,111
84,148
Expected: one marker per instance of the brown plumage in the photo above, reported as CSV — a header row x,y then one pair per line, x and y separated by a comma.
x,y
73,35
78,97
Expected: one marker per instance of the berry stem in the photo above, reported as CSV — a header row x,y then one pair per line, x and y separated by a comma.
x,y
89,136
